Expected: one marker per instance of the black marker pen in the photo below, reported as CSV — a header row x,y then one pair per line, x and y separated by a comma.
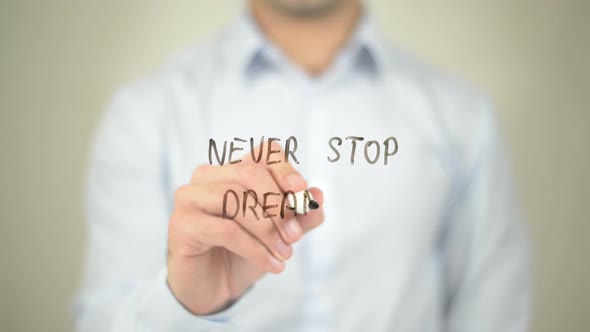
x,y
302,202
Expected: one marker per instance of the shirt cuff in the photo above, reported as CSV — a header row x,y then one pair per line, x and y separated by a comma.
x,y
161,311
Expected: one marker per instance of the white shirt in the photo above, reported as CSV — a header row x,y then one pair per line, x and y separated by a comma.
x,y
429,242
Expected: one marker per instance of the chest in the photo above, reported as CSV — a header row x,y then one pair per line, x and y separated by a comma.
x,y
375,187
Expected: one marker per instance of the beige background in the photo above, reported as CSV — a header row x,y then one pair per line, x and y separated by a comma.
x,y
61,60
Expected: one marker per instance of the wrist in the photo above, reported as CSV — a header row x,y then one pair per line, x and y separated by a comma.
x,y
195,304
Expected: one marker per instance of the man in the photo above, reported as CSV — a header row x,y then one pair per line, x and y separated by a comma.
x,y
430,241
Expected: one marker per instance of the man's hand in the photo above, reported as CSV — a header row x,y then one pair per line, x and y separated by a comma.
x,y
211,260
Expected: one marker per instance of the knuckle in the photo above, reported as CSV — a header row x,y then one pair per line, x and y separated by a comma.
x,y
227,230
181,251
200,171
180,231
219,190
249,171
176,218
187,236
184,228
182,193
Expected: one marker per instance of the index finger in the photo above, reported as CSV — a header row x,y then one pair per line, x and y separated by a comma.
x,y
276,161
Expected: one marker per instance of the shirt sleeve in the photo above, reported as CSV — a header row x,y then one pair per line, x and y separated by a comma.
x,y
127,212
486,245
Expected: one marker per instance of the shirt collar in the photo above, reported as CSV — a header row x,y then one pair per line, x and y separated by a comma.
x,y
249,52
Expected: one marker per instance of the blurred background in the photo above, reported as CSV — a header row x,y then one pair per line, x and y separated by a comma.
x,y
60,61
